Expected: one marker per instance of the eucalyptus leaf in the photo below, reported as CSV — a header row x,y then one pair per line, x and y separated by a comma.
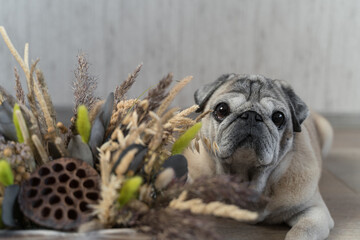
x,y
7,127
100,124
78,149
179,163
11,215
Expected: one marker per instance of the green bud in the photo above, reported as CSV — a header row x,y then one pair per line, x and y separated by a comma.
x,y
129,190
6,174
83,124
184,140
19,135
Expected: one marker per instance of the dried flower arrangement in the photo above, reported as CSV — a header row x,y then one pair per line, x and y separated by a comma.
x,y
119,164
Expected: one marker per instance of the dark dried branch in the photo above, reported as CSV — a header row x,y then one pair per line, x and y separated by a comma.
x,y
171,224
156,95
84,86
223,188
226,189
20,95
7,96
121,90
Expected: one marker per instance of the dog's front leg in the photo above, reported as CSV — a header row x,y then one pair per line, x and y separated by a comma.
x,y
313,223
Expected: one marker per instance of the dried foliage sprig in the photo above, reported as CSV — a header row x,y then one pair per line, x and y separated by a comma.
x,y
20,95
106,210
121,90
84,85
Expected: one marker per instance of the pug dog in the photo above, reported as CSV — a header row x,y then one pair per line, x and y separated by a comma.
x,y
260,130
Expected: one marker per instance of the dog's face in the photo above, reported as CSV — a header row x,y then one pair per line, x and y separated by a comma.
x,y
253,119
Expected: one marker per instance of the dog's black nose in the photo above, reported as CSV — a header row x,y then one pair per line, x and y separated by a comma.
x,y
251,116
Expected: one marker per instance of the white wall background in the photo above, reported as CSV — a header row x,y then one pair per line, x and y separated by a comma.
x,y
314,44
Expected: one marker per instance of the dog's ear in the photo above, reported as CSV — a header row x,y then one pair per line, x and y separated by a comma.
x,y
299,110
203,94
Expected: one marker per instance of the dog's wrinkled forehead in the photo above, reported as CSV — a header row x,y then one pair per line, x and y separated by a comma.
x,y
253,87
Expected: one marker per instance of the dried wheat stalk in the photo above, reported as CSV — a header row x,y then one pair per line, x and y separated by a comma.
x,y
45,92
158,94
121,90
173,92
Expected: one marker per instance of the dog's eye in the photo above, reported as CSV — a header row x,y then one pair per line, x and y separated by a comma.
x,y
221,111
278,118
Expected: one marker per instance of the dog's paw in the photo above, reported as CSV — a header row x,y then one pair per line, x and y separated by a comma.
x,y
314,223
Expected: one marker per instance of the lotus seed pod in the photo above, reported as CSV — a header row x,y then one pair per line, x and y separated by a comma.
x,y
58,194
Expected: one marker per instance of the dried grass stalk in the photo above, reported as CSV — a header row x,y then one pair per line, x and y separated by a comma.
x,y
174,91
106,209
121,90
45,92
158,94
20,95
40,97
125,162
15,53
26,55
218,209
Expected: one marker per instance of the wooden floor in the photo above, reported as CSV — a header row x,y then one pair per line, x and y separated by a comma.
x,y
339,185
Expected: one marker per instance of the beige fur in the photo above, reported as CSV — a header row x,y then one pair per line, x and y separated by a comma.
x,y
293,186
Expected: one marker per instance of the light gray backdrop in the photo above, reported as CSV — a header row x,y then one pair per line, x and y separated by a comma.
x,y
313,44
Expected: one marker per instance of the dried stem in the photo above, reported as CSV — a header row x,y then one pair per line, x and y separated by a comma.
x,y
44,157
40,97
26,55
15,53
